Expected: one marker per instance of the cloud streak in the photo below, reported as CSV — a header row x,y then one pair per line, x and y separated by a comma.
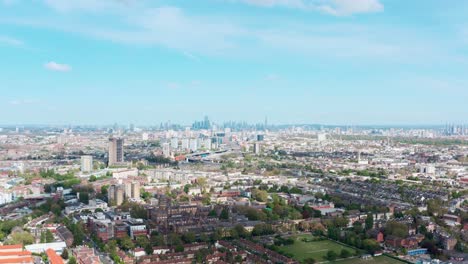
x,y
195,36
23,101
332,7
54,66
10,41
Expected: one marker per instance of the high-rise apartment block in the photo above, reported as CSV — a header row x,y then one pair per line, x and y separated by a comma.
x,y
116,153
86,163
115,194
132,190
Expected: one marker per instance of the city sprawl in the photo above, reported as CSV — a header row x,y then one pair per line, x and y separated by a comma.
x,y
233,193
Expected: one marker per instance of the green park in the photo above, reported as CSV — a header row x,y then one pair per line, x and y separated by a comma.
x,y
309,249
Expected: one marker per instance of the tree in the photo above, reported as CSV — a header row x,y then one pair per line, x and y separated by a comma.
x,y
145,195
148,249
84,197
179,248
224,214
157,240
260,195
64,254
370,245
104,190
126,243
188,237
241,231
49,237
202,183
331,255
93,178
345,253
212,213
142,241
262,229
72,260
187,188
43,238
369,221
78,233
173,239
20,237
396,229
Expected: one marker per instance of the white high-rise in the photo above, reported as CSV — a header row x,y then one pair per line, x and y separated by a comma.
x,y
86,163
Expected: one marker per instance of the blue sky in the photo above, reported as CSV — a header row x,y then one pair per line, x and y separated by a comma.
x,y
296,61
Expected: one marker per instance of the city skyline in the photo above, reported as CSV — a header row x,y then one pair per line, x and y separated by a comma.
x,y
362,62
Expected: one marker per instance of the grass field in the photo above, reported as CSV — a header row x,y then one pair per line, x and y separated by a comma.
x,y
376,260
315,249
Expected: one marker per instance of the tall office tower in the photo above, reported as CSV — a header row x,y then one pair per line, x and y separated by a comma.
x,y
132,190
115,194
116,154
86,163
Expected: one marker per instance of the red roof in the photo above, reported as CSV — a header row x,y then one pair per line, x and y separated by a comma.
x,y
53,257
19,246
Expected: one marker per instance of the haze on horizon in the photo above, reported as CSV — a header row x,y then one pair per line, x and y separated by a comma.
x,y
346,62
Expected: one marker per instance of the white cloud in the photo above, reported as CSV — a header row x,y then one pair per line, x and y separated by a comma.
x,y
197,35
272,77
9,2
173,85
88,5
10,41
272,3
23,101
54,66
349,7
333,7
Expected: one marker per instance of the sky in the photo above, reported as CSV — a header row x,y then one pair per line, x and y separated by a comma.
x,y
346,62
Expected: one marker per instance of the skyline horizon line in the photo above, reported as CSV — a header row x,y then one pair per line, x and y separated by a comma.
x,y
222,123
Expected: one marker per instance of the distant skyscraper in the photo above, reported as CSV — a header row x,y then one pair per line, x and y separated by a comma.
x,y
174,143
86,163
116,153
256,148
193,144
185,143
166,148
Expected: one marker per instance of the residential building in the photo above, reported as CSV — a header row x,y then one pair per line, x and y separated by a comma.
x,y
86,163
116,152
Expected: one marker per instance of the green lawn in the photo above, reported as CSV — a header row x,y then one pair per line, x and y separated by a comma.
x,y
376,260
315,249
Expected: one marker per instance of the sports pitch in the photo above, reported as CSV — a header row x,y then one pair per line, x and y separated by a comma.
x,y
315,249
374,260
